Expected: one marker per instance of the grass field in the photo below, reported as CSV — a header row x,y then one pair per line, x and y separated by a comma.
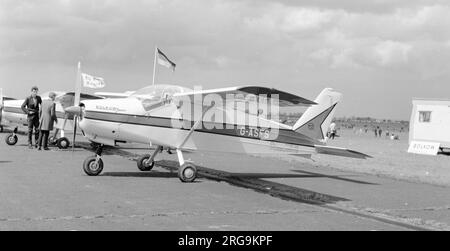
x,y
390,159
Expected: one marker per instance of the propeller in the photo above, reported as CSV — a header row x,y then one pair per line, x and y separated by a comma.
x,y
74,111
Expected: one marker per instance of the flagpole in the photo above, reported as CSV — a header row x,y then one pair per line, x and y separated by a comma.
x,y
78,86
154,66
1,101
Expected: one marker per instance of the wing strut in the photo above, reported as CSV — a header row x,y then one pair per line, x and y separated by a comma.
x,y
194,127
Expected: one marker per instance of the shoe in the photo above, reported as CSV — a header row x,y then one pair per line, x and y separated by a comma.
x,y
39,149
46,148
36,146
30,146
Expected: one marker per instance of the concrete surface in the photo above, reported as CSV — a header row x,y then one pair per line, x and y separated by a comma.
x,y
48,190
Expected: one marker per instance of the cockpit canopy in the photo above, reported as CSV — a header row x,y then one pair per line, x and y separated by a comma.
x,y
160,91
152,96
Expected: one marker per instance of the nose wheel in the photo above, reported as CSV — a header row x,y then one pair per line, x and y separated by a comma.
x,y
93,165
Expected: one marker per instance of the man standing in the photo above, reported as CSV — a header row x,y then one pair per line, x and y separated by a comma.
x,y
332,130
48,117
31,107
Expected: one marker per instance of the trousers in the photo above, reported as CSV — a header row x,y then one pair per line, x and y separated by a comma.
x,y
33,122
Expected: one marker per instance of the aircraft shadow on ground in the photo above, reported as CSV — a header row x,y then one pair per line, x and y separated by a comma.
x,y
254,181
151,174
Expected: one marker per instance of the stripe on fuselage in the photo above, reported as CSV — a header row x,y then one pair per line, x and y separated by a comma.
x,y
284,135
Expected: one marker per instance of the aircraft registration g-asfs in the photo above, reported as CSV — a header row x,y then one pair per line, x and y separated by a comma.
x,y
175,118
12,115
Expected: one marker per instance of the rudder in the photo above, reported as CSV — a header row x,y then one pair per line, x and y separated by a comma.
x,y
315,121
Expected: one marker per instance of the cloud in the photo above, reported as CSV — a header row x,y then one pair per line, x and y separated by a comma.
x,y
236,41
392,52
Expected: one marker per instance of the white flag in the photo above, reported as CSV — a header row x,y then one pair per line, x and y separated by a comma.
x,y
92,82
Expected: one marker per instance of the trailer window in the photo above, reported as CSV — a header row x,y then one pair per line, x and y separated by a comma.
x,y
424,116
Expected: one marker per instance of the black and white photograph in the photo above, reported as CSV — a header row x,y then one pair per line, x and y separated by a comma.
x,y
235,117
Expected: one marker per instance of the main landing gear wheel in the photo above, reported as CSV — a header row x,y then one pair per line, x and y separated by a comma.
x,y
63,143
144,163
11,139
187,172
51,140
93,166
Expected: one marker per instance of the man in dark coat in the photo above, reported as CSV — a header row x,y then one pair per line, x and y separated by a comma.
x,y
31,107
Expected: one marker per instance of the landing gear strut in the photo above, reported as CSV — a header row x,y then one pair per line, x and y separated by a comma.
x,y
93,165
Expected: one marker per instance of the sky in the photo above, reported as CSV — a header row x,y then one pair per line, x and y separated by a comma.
x,y
379,53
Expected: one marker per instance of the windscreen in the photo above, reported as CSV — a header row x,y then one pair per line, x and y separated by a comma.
x,y
153,96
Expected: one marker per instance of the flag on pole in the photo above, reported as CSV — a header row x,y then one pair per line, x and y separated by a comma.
x,y
164,60
92,82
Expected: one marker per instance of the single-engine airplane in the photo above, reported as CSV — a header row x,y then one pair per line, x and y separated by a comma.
x,y
2,99
13,115
161,115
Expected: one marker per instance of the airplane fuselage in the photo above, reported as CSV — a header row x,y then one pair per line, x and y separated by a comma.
x,y
126,120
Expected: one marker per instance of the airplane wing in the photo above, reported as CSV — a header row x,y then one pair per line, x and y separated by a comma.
x,y
114,94
344,152
285,98
68,99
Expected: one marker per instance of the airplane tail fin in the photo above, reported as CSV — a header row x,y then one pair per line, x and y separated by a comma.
x,y
315,121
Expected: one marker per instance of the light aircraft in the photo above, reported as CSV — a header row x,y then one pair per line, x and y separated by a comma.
x,y
13,115
150,116
2,99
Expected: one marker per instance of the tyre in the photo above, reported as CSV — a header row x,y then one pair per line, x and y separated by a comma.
x,y
187,172
11,139
51,140
143,163
92,167
63,143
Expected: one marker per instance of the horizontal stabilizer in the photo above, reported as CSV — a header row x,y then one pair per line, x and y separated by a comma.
x,y
340,152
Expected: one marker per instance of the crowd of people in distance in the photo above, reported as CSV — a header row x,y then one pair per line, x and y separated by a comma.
x,y
332,132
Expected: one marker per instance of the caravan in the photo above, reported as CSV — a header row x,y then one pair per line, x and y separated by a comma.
x,y
429,131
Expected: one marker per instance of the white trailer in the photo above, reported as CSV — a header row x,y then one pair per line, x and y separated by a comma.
x,y
429,127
